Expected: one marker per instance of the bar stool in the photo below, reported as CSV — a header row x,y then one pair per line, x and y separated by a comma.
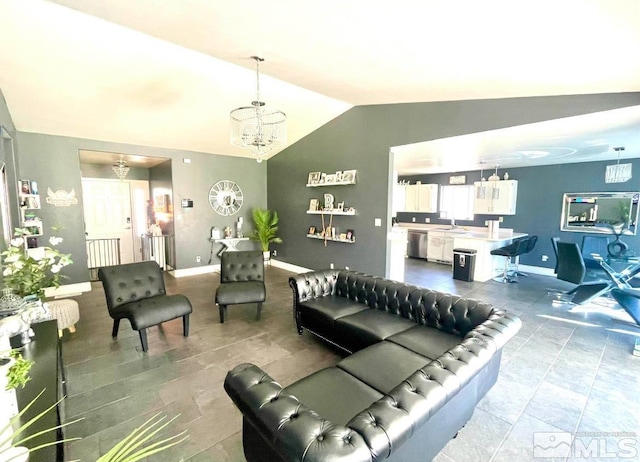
x,y
531,243
508,252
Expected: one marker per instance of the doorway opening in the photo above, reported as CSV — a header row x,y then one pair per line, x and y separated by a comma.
x,y
130,219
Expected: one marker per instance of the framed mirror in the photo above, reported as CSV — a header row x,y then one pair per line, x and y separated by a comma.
x,y
599,212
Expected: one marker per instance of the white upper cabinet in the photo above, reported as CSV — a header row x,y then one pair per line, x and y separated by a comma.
x,y
421,198
495,197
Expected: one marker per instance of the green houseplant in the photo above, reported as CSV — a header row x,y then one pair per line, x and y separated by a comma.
x,y
31,273
266,229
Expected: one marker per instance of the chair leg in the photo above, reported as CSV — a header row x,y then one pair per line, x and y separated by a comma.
x,y
259,310
222,309
143,339
116,326
185,325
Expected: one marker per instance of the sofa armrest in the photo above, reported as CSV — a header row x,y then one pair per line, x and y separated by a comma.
x,y
294,431
314,284
498,329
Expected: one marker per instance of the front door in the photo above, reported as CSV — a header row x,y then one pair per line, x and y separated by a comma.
x,y
107,213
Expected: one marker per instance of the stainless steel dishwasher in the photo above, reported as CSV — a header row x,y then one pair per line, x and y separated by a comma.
x,y
417,243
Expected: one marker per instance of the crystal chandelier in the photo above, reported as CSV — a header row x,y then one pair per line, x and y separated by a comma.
x,y
120,168
256,127
618,173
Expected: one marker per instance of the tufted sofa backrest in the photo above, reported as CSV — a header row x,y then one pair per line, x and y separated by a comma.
x,y
131,282
447,312
244,265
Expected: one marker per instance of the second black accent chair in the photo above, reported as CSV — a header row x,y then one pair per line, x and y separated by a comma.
x,y
136,291
241,280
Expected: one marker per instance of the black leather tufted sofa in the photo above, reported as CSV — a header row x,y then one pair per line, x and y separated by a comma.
x,y
136,291
421,360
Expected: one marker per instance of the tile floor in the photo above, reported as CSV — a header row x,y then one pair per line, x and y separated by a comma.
x,y
564,373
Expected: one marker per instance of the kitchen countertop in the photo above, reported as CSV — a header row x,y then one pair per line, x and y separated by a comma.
x,y
467,232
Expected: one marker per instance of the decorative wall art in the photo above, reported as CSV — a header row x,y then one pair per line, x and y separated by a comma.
x,y
61,198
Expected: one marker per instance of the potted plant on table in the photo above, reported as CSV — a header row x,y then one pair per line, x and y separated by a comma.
x,y
266,229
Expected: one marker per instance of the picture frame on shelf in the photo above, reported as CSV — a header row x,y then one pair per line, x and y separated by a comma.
x,y
313,205
323,178
312,230
331,178
340,207
343,236
350,235
314,178
349,176
32,202
339,177
24,186
32,242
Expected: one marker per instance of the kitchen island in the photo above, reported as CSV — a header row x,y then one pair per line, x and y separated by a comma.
x,y
487,266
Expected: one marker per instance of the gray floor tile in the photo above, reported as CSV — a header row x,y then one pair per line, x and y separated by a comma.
x,y
550,370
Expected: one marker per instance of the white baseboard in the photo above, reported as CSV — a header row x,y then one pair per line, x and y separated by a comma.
x,y
537,270
68,290
289,267
179,273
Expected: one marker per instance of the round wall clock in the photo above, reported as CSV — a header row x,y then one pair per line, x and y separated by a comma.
x,y
225,197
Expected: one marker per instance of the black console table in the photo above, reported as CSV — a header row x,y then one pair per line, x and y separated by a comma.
x,y
46,374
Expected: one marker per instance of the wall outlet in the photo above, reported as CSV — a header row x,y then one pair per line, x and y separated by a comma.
x,y
486,222
274,253
427,220
545,257
413,219
198,259
377,222
500,219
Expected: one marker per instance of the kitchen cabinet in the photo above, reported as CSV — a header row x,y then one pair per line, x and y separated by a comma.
x,y
495,197
421,198
440,246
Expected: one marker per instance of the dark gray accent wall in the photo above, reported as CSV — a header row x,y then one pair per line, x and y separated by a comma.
x,y
361,138
539,203
54,163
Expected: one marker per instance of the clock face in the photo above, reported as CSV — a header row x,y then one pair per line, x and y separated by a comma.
x,y
225,198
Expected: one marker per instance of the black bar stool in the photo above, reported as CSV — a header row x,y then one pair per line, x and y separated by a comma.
x,y
508,252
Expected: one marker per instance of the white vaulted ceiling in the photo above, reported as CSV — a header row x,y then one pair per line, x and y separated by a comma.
x,y
166,73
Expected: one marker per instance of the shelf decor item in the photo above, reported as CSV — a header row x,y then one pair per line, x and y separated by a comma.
x,y
30,274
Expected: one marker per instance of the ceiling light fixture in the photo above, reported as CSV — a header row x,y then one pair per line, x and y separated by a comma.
x,y
618,173
257,128
120,169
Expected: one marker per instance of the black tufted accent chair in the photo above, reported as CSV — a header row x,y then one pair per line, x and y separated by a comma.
x,y
135,291
241,280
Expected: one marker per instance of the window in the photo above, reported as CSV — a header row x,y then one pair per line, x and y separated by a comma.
x,y
456,202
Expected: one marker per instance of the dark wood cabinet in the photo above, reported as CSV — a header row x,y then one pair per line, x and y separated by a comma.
x,y
46,374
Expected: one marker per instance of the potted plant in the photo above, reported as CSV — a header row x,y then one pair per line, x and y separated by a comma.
x,y
31,273
266,229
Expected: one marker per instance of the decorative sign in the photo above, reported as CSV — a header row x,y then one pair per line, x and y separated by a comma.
x,y
459,179
61,198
